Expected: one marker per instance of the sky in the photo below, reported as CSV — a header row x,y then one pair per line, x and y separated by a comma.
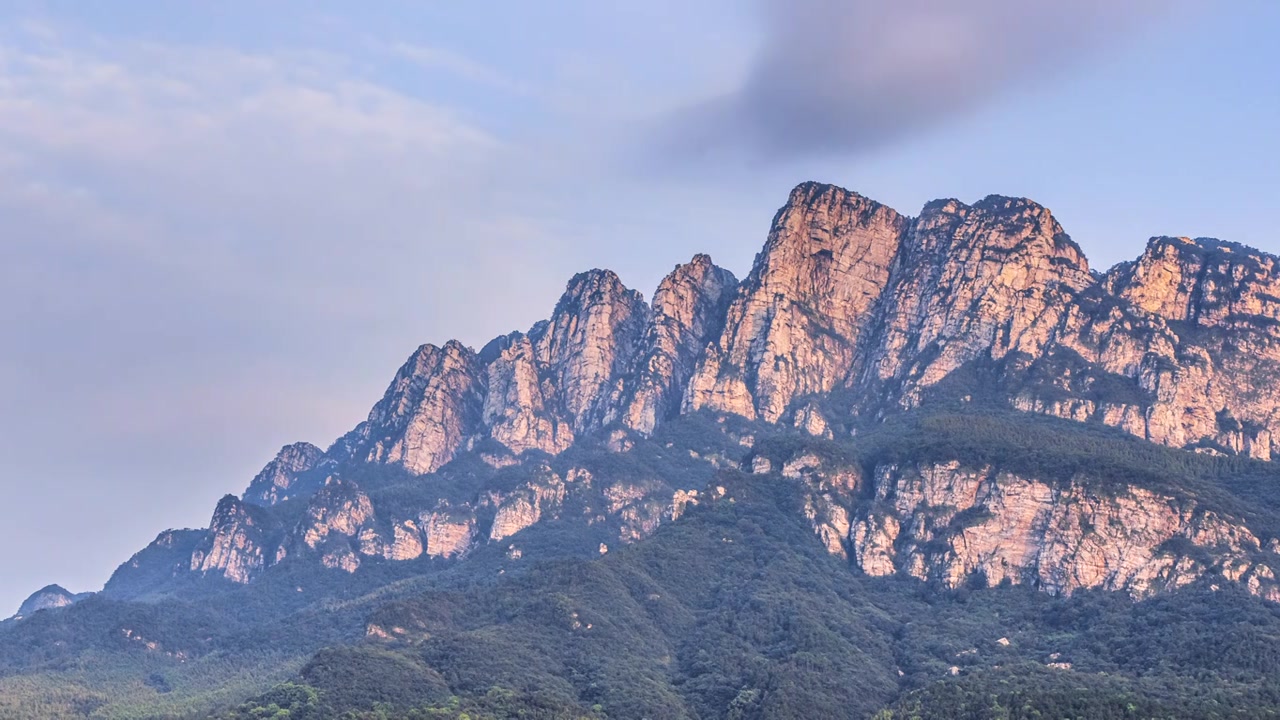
x,y
225,225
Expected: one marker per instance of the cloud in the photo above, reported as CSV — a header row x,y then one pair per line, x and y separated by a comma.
x,y
847,76
441,59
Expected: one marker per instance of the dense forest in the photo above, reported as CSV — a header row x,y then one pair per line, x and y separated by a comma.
x,y
737,613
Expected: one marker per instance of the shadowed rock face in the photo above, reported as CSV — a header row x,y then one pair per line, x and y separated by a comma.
x,y
279,480
851,310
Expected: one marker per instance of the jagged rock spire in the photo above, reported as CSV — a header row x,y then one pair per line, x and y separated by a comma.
x,y
432,406
278,481
688,313
798,318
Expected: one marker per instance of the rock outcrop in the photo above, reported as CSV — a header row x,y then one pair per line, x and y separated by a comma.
x,y
279,480
951,524
239,544
431,408
517,410
49,597
974,282
688,313
589,344
448,532
797,321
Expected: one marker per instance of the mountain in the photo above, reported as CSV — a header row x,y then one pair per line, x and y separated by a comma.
x,y
47,598
943,404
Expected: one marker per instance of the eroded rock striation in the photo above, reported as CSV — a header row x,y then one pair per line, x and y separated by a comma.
x,y
239,544
949,523
798,319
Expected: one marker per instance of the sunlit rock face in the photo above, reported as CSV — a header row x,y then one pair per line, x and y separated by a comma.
x,y
589,345
797,320
688,313
517,410
1212,361
279,480
432,406
974,281
340,509
448,532
850,312
239,544
951,524
1180,347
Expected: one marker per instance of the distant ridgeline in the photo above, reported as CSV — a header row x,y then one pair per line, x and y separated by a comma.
x,y
808,493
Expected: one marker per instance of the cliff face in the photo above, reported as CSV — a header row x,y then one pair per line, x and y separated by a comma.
x,y
851,312
796,323
282,478
953,524
972,282
589,344
688,313
430,409
238,544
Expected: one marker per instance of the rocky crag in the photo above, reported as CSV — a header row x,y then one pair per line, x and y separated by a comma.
x,y
852,312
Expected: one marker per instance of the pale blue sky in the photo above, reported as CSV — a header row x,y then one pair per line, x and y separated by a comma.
x,y
226,224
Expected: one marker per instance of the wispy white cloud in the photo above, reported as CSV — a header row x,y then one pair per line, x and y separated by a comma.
x,y
459,65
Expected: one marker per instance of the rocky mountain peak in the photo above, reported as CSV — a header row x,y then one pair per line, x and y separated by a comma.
x,y
973,281
688,311
589,342
1202,281
999,224
431,407
278,481
236,546
796,322
47,598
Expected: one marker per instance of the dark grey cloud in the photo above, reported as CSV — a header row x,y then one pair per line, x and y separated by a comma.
x,y
851,75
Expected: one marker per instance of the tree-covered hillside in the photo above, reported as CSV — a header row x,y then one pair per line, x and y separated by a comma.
x,y
736,610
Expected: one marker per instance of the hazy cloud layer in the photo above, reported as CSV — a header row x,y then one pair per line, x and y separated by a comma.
x,y
851,75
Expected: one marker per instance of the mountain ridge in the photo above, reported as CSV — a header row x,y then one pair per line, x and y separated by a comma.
x,y
851,313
